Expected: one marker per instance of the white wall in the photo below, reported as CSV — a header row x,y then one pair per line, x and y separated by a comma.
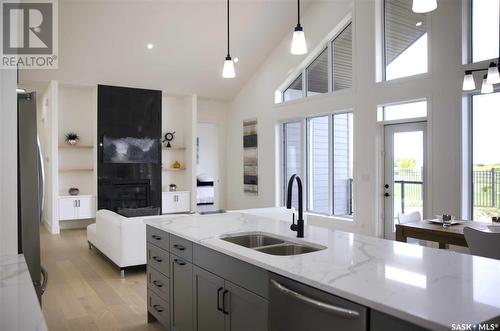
x,y
441,85
8,163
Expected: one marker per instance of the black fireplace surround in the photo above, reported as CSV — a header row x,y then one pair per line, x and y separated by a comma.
x,y
130,119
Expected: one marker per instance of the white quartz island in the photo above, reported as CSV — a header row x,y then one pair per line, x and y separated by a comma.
x,y
428,287
19,307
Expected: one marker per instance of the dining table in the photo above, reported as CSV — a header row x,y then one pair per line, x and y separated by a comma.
x,y
432,231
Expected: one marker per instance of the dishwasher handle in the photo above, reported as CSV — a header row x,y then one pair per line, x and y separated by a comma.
x,y
338,311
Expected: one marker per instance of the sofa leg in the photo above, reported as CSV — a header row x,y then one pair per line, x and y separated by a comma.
x,y
122,273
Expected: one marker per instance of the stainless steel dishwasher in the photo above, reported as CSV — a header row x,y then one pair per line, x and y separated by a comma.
x,y
294,306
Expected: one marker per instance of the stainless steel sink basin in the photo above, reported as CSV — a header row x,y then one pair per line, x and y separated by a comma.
x,y
288,249
253,240
271,245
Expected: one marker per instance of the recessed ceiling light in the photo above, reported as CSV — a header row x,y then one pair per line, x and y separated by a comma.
x,y
418,23
151,46
236,60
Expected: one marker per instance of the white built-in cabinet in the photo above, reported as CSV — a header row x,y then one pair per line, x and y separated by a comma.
x,y
76,207
176,202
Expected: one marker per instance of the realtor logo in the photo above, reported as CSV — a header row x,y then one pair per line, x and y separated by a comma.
x,y
29,34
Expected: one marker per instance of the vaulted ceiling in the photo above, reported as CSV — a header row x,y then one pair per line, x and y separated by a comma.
x,y
104,42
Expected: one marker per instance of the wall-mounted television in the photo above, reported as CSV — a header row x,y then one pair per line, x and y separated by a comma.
x,y
130,150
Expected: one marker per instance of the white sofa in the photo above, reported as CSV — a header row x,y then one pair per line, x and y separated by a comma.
x,y
121,239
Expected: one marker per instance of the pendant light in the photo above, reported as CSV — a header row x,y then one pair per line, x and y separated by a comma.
x,y
299,45
493,76
424,6
228,69
486,87
468,84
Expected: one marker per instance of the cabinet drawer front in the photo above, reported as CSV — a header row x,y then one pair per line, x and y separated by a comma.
x,y
181,247
159,283
159,309
157,237
159,259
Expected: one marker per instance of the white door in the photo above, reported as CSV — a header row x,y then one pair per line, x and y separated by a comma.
x,y
405,168
210,137
169,204
85,208
67,209
183,202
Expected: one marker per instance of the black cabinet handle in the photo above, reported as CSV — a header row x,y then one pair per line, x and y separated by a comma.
x,y
154,236
158,308
180,247
218,299
179,262
158,283
157,259
224,302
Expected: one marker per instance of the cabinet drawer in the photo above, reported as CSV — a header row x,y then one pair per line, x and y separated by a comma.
x,y
159,309
159,283
181,247
158,259
157,237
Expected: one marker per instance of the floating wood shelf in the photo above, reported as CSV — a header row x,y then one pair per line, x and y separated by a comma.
x,y
174,169
76,146
76,170
174,148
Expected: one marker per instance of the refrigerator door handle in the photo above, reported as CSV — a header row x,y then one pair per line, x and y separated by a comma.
x,y
41,179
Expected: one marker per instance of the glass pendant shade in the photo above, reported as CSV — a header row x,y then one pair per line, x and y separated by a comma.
x,y
424,6
493,76
228,70
469,83
486,88
299,45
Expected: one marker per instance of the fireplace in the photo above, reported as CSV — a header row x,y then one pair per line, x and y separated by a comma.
x,y
130,194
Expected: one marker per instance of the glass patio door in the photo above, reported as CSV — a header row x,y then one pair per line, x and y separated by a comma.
x,y
405,164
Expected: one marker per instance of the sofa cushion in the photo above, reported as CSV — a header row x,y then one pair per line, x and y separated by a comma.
x,y
137,212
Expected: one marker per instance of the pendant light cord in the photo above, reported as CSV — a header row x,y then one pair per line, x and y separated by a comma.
x,y
228,28
298,12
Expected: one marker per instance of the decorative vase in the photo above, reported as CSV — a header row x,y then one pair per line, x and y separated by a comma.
x,y
73,191
176,165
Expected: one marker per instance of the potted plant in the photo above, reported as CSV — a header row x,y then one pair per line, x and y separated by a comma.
x,y
72,138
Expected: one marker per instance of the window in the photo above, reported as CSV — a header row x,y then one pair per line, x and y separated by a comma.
x,y
485,22
402,111
331,70
317,75
318,164
328,162
292,156
485,172
294,91
405,39
342,59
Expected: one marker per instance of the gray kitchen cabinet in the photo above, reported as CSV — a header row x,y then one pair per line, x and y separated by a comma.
x,y
208,292
181,283
246,310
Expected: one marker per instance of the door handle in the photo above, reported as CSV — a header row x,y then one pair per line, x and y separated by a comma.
x,y
338,311
224,302
218,299
179,262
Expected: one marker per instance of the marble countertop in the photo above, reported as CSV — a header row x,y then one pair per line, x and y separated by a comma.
x,y
19,307
425,286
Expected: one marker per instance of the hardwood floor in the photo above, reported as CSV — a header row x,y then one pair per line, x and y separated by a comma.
x,y
85,291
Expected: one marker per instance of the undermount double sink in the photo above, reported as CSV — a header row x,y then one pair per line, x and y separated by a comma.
x,y
271,245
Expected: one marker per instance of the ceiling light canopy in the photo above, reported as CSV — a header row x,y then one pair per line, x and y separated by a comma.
x,y
424,6
299,45
228,69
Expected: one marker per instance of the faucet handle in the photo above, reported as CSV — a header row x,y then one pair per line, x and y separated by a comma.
x,y
293,227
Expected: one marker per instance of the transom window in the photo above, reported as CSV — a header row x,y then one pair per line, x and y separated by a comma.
x,y
485,27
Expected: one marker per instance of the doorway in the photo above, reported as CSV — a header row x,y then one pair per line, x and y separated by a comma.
x,y
208,149
405,171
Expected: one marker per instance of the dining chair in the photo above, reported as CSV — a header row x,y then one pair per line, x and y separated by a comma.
x,y
481,243
409,217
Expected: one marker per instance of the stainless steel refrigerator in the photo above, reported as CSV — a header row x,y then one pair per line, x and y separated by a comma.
x,y
30,189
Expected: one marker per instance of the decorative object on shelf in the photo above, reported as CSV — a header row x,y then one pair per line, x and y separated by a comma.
x,y
167,138
73,191
250,157
299,45
423,6
72,138
172,187
176,165
228,69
